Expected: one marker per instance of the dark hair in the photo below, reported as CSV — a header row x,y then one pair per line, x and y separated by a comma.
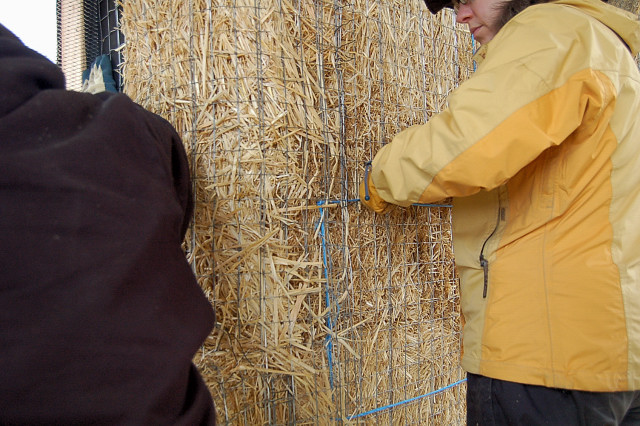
x,y
511,8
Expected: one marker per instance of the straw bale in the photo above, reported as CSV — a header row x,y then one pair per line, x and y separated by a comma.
x,y
279,104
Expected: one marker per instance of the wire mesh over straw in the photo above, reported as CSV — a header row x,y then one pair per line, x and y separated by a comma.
x,y
326,313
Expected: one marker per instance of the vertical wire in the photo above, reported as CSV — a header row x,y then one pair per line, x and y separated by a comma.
x,y
357,365
193,137
240,171
212,174
387,225
341,320
307,178
327,246
262,255
291,388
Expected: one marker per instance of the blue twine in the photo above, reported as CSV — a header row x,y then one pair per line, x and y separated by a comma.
x,y
329,339
386,407
473,49
355,200
325,265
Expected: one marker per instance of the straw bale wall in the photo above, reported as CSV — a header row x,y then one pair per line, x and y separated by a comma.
x,y
326,313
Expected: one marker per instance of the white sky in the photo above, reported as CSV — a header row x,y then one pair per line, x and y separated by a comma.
x,y
34,22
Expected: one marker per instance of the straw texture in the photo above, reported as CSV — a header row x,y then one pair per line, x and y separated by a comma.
x,y
325,311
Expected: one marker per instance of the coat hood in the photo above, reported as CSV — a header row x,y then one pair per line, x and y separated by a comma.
x,y
25,73
623,23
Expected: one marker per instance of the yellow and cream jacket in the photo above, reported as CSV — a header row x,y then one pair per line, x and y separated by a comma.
x,y
540,149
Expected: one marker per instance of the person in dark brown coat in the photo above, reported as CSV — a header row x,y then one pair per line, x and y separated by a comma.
x,y
100,312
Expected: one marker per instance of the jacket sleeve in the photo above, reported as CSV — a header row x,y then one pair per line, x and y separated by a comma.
x,y
531,92
170,147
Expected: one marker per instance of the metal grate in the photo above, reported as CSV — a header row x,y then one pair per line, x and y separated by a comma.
x,y
86,30
111,39
326,312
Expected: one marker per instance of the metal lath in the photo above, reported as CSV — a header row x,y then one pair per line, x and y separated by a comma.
x,y
86,30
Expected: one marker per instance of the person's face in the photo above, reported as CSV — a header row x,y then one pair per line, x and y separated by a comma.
x,y
481,16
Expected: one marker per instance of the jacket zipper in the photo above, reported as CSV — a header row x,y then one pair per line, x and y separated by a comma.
x,y
483,261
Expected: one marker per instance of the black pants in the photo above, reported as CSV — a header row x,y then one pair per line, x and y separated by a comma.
x,y
497,402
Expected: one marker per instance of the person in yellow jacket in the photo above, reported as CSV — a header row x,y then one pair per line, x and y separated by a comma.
x,y
540,150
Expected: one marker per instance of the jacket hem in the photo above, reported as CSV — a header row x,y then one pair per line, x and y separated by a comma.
x,y
574,380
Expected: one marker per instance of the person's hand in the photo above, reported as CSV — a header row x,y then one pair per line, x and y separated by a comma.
x,y
369,194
